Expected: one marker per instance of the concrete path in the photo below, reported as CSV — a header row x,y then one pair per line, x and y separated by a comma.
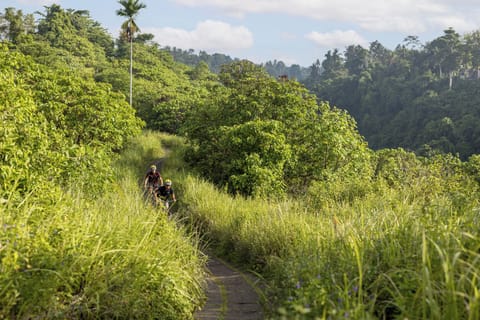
x,y
231,295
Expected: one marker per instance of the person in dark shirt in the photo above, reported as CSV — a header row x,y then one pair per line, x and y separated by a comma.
x,y
166,194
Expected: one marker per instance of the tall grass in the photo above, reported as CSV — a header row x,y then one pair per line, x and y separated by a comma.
x,y
115,257
391,254
142,151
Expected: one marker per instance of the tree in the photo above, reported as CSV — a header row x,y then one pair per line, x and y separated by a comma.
x,y
257,153
260,136
314,76
356,59
13,24
57,126
452,43
445,53
130,10
379,55
333,64
412,42
69,37
472,41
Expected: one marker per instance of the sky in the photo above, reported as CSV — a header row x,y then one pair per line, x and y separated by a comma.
x,y
292,31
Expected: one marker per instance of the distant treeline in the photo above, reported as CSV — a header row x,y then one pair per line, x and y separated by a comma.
x,y
418,96
215,62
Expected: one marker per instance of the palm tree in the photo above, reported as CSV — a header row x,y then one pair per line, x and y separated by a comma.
x,y
130,10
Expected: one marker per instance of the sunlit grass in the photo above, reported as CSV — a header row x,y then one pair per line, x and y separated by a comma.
x,y
142,151
391,254
116,257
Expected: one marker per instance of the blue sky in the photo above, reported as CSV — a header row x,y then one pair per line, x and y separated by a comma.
x,y
294,31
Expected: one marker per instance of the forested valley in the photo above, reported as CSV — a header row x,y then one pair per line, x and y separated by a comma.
x,y
378,221
419,96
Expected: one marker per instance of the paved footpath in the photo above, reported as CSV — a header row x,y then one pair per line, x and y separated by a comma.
x,y
230,295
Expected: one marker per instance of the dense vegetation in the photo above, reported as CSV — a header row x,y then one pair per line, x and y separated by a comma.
x,y
418,96
337,229
64,256
72,246
407,249
57,128
190,58
262,137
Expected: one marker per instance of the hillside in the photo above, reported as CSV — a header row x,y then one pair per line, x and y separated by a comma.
x,y
421,97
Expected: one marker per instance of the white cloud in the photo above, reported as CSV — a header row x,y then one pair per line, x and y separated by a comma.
x,y
336,39
208,35
406,16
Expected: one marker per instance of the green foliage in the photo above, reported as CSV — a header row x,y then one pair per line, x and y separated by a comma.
x,y
108,259
256,131
473,167
58,127
362,259
87,112
162,91
189,58
257,156
74,32
130,9
66,257
335,162
140,152
63,39
348,248
26,138
413,96
434,176
278,69
332,146
397,167
14,25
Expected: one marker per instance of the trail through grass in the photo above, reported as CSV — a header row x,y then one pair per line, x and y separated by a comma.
x,y
66,257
